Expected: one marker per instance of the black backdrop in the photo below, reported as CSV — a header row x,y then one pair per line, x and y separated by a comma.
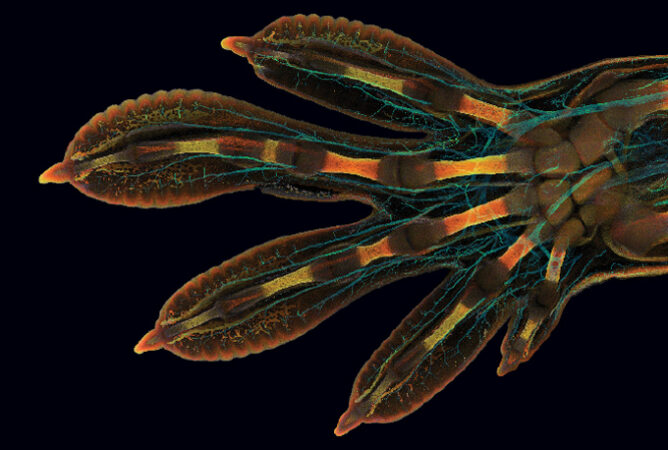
x,y
99,273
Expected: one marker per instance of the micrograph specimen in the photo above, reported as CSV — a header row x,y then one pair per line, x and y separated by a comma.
x,y
528,194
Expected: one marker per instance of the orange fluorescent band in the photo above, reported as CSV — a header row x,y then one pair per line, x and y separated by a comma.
x,y
371,252
363,167
484,111
522,246
474,216
486,165
557,256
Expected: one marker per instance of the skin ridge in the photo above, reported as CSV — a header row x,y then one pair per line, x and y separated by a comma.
x,y
527,193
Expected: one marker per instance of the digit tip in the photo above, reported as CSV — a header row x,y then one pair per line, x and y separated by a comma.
x,y
153,340
63,172
350,420
236,44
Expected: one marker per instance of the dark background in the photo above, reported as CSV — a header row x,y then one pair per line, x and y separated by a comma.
x,y
97,274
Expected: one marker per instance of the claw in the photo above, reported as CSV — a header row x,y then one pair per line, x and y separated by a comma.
x,y
153,340
62,172
351,419
236,44
496,177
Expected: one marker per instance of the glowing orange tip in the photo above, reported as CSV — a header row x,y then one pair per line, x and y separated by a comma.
x,y
236,44
509,364
153,340
350,420
63,172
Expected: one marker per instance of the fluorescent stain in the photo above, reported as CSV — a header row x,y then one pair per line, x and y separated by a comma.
x,y
481,186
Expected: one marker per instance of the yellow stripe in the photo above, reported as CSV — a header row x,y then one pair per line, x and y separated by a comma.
x,y
301,276
269,151
446,326
197,146
391,84
528,330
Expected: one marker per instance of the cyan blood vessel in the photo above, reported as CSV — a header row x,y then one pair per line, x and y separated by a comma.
x,y
528,194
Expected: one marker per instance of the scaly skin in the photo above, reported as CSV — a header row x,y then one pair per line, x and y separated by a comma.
x,y
529,194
